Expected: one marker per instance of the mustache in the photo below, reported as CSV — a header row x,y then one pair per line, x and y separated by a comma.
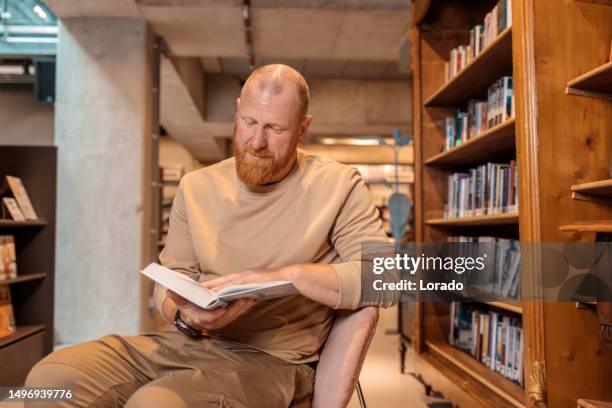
x,y
261,153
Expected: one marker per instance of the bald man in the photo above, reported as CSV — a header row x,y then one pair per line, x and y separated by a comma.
x,y
272,212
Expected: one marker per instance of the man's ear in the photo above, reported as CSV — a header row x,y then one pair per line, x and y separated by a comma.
x,y
304,128
237,102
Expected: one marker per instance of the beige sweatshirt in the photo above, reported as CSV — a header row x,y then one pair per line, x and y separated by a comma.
x,y
320,212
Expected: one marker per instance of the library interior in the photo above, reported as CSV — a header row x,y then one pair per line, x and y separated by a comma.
x,y
192,191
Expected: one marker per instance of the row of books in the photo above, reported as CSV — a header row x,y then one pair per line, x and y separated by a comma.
x,y
481,36
15,205
481,115
500,277
8,258
494,338
7,317
15,201
487,189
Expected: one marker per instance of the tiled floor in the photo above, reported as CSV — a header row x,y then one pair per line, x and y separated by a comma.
x,y
381,381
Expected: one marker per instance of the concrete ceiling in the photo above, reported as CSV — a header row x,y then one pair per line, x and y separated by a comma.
x,y
310,68
94,8
351,37
322,4
348,39
295,33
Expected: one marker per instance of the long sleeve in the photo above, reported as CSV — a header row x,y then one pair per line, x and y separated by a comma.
x,y
179,253
357,222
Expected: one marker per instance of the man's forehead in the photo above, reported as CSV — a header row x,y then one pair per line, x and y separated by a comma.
x,y
267,89
277,104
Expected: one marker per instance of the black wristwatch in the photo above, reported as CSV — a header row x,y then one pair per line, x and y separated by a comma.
x,y
184,327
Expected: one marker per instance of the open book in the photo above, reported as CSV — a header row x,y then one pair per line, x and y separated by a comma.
x,y
207,299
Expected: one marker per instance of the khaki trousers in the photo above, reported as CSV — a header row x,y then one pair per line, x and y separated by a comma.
x,y
171,370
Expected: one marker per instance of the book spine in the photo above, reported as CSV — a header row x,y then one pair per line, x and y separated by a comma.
x,y
508,13
520,358
486,340
447,75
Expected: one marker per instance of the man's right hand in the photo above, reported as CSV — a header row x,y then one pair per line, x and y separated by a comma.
x,y
206,320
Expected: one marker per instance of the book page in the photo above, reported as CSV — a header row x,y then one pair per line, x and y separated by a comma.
x,y
181,285
259,291
206,299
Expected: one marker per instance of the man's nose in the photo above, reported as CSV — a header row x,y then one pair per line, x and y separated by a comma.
x,y
259,139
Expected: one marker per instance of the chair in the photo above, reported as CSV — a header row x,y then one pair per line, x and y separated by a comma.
x,y
342,357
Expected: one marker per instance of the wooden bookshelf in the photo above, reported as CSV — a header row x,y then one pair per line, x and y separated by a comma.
x,y
499,139
588,403
478,220
555,140
472,82
511,392
596,191
32,291
596,83
588,226
514,307
24,278
607,2
21,333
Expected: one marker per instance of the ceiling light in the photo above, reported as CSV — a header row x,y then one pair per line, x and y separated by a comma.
x,y
348,141
31,40
40,12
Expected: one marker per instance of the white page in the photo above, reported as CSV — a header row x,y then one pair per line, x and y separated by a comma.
x,y
181,285
259,291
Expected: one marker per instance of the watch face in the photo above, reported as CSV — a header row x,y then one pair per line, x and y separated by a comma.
x,y
188,330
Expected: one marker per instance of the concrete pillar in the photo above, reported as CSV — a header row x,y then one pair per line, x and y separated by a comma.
x,y
103,134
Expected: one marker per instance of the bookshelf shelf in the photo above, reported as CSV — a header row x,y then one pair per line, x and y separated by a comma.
x,y
21,333
598,191
497,383
478,149
24,278
608,2
22,224
479,220
514,307
472,82
587,403
588,226
596,83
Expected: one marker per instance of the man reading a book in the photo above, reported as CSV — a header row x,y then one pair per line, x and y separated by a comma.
x,y
272,212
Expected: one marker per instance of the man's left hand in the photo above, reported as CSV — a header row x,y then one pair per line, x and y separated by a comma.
x,y
254,275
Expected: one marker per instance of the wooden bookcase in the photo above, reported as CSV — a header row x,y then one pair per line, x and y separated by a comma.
x,y
560,142
32,291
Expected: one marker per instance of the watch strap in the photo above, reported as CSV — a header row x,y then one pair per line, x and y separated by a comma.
x,y
184,327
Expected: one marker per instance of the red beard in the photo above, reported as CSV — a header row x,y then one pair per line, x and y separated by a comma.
x,y
255,172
